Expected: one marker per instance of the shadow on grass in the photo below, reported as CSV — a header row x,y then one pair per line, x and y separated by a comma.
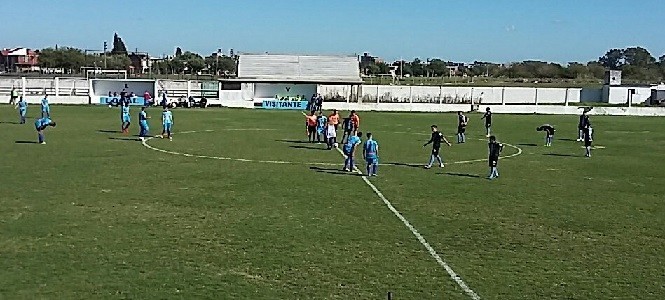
x,y
398,164
309,147
26,142
16,123
294,141
462,175
334,171
109,131
125,139
568,140
528,145
560,155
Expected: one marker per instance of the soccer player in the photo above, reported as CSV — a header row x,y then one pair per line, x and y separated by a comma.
x,y
13,96
347,127
435,140
143,124
40,126
167,123
462,121
310,123
584,120
355,120
334,119
331,136
321,121
549,133
22,106
46,110
488,121
495,149
371,154
125,117
587,141
350,151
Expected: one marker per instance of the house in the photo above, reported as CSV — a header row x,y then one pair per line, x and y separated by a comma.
x,y
140,62
19,60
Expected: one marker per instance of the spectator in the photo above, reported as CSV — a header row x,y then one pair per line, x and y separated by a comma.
x,y
147,99
204,102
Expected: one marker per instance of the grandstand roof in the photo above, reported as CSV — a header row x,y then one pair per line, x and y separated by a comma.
x,y
298,68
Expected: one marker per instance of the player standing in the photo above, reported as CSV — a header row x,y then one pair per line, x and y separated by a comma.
x,y
371,154
495,149
488,121
587,141
167,123
143,124
125,117
331,136
40,126
549,133
334,119
22,106
321,122
462,121
435,140
310,124
347,128
46,110
13,96
350,151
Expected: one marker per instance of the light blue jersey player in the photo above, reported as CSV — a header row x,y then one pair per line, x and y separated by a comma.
x,y
321,122
143,124
167,123
40,126
125,117
371,154
22,106
46,110
350,150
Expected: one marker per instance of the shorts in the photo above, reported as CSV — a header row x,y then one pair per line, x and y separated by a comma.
x,y
320,130
311,129
126,118
372,160
587,143
22,111
461,129
347,152
46,109
167,126
493,161
488,125
436,150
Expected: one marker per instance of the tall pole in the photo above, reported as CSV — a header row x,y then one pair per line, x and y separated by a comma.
x,y
105,47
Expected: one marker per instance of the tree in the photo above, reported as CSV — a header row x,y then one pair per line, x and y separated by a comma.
x,y
613,59
68,58
178,51
417,67
118,45
638,56
661,59
437,67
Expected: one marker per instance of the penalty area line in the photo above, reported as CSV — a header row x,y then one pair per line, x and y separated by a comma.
x,y
453,275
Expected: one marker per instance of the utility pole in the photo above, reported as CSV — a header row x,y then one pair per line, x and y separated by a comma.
x,y
105,48
219,52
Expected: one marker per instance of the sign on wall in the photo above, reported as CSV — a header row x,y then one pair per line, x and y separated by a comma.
x,y
277,104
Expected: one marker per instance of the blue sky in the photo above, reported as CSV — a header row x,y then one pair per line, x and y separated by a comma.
x,y
498,31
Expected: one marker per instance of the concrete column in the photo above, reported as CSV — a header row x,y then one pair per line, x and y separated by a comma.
x,y
57,87
503,96
566,99
410,95
536,100
189,88
440,95
23,84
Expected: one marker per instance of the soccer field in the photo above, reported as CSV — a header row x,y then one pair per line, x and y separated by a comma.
x,y
239,206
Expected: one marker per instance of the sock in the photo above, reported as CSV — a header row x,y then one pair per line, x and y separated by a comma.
x,y
375,168
369,169
41,137
439,159
431,160
463,138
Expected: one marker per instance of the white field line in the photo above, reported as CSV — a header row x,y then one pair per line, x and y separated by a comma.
x,y
420,238
145,143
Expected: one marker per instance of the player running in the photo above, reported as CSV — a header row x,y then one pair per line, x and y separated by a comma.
x,y
488,121
350,151
125,117
143,124
371,154
549,133
435,140
46,110
321,122
310,124
167,123
495,149
40,126
462,121
22,106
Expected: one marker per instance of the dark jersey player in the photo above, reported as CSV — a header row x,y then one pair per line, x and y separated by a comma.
x,y
587,140
488,121
549,133
495,149
462,121
583,123
435,140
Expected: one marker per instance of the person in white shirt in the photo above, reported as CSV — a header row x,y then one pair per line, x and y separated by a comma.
x,y
331,136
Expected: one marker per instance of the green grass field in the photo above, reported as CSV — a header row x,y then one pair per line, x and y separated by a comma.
x,y
94,214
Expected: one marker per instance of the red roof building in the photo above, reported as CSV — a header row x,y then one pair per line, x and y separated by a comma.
x,y
19,60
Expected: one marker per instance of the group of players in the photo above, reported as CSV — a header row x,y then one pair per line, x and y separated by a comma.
x,y
144,127
43,122
319,127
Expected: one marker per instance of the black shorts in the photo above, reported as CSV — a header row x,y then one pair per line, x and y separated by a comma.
x,y
311,129
461,129
587,143
436,150
488,125
493,161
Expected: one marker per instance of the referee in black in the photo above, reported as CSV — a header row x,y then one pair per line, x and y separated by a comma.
x,y
435,140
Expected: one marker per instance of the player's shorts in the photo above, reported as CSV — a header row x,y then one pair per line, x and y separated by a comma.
x,y
167,126
144,124
22,111
311,129
347,151
587,143
461,129
320,130
372,160
45,109
126,118
436,150
488,125
493,161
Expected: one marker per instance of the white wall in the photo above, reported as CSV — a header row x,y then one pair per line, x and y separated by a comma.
x,y
269,90
619,94
36,100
